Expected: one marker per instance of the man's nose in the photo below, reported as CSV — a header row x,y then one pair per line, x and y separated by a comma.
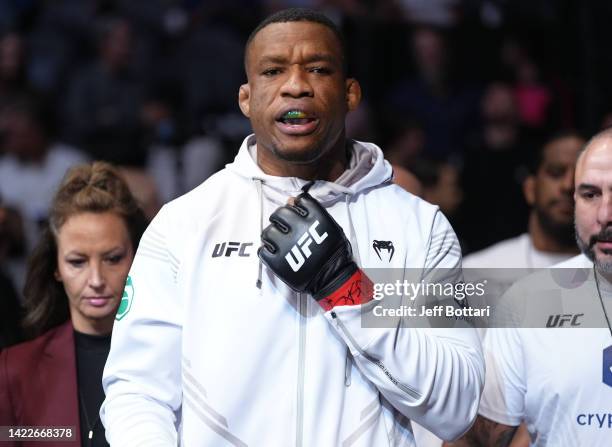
x,y
604,212
296,84
567,182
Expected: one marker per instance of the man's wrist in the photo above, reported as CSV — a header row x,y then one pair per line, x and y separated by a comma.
x,y
355,290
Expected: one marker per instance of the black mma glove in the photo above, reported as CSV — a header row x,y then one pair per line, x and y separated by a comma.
x,y
308,251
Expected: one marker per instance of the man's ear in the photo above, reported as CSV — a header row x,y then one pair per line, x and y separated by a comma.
x,y
529,187
244,96
353,94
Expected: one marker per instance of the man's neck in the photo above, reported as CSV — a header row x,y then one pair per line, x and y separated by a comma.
x,y
542,241
605,279
604,290
328,167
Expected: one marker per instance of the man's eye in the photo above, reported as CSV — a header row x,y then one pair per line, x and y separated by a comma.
x,y
320,70
588,195
556,172
271,72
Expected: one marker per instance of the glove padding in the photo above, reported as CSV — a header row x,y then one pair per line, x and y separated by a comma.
x,y
307,249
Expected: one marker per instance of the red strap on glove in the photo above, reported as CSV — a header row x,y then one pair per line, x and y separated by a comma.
x,y
356,290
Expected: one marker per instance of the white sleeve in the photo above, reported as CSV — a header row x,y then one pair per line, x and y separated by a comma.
x,y
142,376
433,376
503,398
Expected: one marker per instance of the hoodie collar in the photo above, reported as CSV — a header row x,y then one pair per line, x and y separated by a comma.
x,y
367,169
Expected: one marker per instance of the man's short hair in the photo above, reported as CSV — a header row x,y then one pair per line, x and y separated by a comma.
x,y
537,157
300,15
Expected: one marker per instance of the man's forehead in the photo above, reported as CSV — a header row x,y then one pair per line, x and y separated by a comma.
x,y
595,164
563,150
278,39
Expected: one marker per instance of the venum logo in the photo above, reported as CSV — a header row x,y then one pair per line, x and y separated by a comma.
x,y
559,320
301,251
227,248
383,245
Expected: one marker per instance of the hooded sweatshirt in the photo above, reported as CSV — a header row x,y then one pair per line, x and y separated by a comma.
x,y
211,348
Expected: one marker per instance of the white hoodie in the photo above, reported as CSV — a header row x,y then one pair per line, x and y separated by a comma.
x,y
202,351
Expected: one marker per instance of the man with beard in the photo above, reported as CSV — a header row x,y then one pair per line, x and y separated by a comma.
x,y
594,203
548,191
559,380
550,235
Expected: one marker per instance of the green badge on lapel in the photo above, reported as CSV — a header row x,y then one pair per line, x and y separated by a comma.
x,y
126,299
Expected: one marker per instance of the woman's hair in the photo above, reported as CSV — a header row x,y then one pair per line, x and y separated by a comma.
x,y
96,188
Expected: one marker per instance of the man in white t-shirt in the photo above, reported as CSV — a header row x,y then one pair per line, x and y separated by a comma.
x,y
548,191
550,237
559,381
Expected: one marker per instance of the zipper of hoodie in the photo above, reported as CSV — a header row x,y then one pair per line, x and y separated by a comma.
x,y
303,306
402,386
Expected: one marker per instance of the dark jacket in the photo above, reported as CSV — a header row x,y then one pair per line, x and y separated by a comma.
x,y
38,385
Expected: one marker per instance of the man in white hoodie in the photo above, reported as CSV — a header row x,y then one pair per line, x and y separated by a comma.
x,y
213,346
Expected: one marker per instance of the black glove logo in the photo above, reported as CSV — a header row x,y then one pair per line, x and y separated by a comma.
x,y
301,251
288,242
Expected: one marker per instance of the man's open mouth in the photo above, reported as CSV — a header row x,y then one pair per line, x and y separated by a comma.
x,y
297,122
604,243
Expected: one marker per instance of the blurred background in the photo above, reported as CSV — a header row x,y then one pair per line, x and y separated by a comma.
x,y
458,92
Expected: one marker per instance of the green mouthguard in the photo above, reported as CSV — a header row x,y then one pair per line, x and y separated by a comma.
x,y
294,114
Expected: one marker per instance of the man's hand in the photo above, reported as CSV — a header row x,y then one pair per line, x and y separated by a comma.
x,y
307,249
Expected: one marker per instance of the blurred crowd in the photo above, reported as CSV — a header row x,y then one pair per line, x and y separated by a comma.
x,y
460,93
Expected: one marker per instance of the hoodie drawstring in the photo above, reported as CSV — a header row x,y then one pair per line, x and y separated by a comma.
x,y
357,259
355,248
352,239
258,183
347,368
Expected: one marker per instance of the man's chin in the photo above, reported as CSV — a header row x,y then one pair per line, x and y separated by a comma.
x,y
562,233
562,220
602,261
604,265
557,227
298,155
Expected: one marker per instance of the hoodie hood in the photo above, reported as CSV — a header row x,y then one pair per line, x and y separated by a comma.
x,y
367,169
